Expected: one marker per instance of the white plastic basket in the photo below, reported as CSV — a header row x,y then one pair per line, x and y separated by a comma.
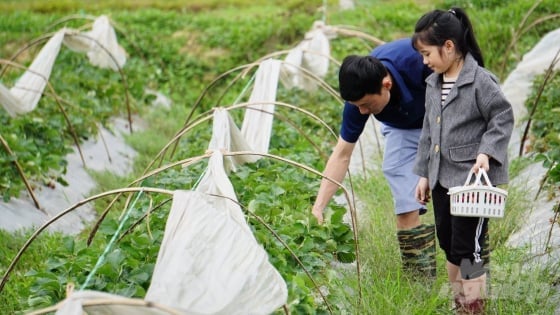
x,y
478,200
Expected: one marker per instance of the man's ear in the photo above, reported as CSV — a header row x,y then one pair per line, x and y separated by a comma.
x,y
387,82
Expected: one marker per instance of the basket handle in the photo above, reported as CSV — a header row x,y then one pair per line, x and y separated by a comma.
x,y
477,181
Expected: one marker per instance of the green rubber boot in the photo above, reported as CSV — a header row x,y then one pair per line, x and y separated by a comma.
x,y
418,250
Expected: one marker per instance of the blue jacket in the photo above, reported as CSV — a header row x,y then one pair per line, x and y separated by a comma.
x,y
405,109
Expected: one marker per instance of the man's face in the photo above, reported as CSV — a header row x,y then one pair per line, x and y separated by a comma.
x,y
373,103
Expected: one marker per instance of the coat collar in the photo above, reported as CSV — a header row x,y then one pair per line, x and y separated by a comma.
x,y
466,76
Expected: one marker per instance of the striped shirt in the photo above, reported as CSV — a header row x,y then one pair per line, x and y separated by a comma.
x,y
446,87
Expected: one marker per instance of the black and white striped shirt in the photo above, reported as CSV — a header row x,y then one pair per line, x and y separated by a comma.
x,y
446,87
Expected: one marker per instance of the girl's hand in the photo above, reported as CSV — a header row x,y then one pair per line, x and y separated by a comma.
x,y
422,193
482,161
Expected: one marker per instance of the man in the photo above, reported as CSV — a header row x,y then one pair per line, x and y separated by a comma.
x,y
389,84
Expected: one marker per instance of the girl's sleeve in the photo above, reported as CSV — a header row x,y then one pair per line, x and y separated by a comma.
x,y
423,153
498,113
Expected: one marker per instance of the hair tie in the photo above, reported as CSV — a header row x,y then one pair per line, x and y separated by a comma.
x,y
452,12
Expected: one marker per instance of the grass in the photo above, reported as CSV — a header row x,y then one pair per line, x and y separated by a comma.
x,y
191,42
519,284
399,293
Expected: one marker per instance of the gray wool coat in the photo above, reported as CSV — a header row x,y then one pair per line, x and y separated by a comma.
x,y
475,118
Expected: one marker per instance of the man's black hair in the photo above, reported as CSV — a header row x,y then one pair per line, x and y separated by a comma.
x,y
360,75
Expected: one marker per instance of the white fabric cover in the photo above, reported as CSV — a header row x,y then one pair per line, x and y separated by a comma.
x,y
311,54
227,137
517,85
98,44
26,93
210,264
216,182
76,304
257,122
536,234
209,261
346,4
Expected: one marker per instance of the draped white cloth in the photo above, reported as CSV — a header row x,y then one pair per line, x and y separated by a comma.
x,y
101,303
309,57
209,261
227,137
100,44
101,47
27,91
257,122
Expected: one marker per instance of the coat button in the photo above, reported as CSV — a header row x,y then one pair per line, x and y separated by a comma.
x,y
436,148
438,119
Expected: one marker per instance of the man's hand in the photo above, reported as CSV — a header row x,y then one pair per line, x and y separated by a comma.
x,y
318,213
422,193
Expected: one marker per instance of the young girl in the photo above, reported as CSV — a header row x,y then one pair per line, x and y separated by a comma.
x,y
467,126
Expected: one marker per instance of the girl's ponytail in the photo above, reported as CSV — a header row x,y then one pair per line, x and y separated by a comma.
x,y
471,45
437,26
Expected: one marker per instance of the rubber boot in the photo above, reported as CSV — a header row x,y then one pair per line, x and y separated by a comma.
x,y
418,250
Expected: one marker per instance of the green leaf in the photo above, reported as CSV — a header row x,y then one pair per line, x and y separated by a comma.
x,y
346,257
38,301
69,244
115,259
276,190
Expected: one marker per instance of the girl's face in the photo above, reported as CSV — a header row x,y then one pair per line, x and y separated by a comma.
x,y
437,58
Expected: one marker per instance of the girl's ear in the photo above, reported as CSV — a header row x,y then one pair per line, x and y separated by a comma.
x,y
449,45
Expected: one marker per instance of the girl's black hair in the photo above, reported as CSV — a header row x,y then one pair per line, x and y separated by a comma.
x,y
437,26
360,75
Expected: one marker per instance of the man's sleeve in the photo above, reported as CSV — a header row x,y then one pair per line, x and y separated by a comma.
x,y
353,123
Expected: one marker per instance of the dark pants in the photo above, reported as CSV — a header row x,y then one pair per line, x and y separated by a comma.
x,y
459,237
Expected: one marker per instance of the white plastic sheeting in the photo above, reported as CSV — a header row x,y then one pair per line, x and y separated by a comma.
x,y
227,137
27,91
21,213
100,303
216,182
517,87
211,249
346,4
257,122
310,55
223,270
100,44
101,47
